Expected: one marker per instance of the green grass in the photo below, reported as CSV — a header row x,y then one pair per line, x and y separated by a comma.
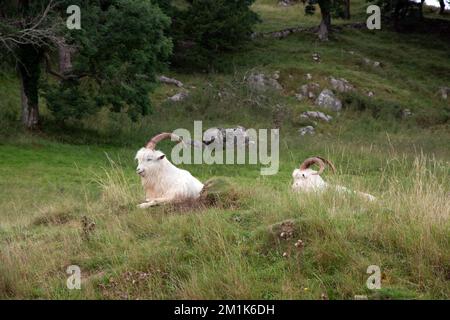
x,y
51,180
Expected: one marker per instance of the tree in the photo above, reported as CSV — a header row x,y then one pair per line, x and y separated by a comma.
x,y
111,61
204,29
405,14
441,7
347,10
325,23
337,8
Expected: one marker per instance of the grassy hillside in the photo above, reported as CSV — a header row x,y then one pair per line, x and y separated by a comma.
x,y
51,180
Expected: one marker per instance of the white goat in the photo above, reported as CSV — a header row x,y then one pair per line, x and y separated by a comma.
x,y
162,181
307,180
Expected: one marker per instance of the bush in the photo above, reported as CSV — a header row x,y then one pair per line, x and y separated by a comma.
x,y
120,49
210,27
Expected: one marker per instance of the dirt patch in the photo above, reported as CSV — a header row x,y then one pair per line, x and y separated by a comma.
x,y
218,193
55,218
130,284
284,230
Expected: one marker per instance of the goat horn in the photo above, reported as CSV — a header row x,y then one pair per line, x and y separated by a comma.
x,y
329,163
162,136
314,160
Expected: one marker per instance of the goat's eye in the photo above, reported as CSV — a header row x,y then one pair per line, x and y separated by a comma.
x,y
149,159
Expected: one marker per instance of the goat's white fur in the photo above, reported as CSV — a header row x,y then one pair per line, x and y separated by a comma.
x,y
162,181
309,180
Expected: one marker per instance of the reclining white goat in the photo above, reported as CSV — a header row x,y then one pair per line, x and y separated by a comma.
x,y
307,180
162,181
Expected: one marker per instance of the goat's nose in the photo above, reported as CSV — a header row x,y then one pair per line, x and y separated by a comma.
x,y
139,170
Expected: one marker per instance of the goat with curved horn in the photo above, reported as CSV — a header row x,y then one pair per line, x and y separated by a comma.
x,y
151,144
307,179
162,181
319,161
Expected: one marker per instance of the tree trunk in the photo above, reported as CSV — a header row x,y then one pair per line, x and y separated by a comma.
x,y
347,10
29,72
396,14
65,57
421,9
442,5
325,24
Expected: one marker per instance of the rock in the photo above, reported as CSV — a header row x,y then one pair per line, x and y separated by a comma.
x,y
316,57
308,76
179,97
370,94
168,80
260,82
310,90
306,130
444,92
226,137
316,115
213,135
299,96
341,85
406,113
371,63
276,75
287,3
279,114
328,100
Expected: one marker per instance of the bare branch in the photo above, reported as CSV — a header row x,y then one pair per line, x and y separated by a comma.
x,y
37,35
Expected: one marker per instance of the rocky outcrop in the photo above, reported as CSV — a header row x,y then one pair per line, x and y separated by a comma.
x,y
168,80
328,100
179,96
261,82
371,63
226,137
306,130
444,92
310,91
341,85
316,115
316,57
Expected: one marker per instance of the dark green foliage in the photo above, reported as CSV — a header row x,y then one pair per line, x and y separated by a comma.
x,y
377,108
210,27
310,9
68,100
121,47
336,7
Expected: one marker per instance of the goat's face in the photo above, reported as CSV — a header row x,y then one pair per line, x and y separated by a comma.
x,y
306,180
148,161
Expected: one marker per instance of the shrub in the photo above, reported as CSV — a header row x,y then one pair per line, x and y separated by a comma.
x,y
207,28
119,50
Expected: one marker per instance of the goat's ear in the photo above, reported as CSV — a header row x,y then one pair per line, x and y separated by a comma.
x,y
161,157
